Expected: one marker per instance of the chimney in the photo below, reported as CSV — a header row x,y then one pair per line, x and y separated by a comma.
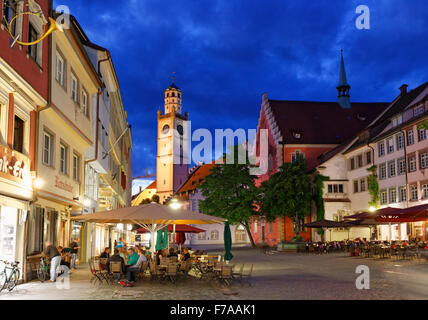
x,y
403,89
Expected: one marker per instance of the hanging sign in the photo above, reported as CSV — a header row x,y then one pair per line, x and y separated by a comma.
x,y
14,165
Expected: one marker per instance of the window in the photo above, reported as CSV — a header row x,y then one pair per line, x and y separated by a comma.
x,y
355,186
425,191
391,169
296,155
85,103
18,135
368,157
9,11
424,160
74,88
381,148
255,226
335,188
413,192
392,195
60,69
352,163
422,135
410,137
32,36
400,141
48,149
412,164
383,197
214,235
360,160
390,145
397,120
202,236
402,194
401,164
418,110
362,184
76,167
63,159
270,227
382,171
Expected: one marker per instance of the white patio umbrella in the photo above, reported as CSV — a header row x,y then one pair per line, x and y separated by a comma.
x,y
152,217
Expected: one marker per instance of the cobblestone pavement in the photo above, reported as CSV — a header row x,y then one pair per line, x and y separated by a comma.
x,y
277,276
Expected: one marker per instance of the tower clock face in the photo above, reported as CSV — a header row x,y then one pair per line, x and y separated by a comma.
x,y
180,129
165,129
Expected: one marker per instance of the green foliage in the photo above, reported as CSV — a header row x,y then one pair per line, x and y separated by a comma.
x,y
318,182
373,186
287,193
229,192
155,198
423,125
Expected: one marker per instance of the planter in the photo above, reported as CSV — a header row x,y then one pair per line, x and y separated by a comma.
x,y
291,247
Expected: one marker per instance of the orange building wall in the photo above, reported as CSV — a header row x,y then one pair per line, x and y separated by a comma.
x,y
312,152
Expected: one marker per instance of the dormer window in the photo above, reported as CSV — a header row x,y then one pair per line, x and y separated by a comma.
x,y
297,135
418,110
396,121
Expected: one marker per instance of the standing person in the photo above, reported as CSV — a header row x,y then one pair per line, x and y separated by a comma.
x,y
52,252
120,244
74,250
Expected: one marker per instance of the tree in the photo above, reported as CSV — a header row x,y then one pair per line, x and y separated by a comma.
x,y
155,198
229,192
287,193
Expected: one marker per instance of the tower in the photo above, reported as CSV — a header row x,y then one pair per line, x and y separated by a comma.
x,y
172,158
343,86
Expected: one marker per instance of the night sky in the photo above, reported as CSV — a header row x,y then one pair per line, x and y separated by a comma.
x,y
226,53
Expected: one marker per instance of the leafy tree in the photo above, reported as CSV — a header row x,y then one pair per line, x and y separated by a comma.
x,y
155,198
318,183
229,192
287,193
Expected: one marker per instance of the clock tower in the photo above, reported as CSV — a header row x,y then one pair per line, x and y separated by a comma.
x,y
172,158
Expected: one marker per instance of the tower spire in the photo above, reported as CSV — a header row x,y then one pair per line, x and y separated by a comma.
x,y
173,77
343,86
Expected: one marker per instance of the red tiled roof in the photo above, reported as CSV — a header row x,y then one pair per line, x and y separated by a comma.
x,y
322,122
196,178
152,185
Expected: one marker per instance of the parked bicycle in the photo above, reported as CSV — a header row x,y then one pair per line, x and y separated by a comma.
x,y
43,269
9,277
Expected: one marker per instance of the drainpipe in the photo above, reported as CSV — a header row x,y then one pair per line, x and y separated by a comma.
x,y
373,161
405,161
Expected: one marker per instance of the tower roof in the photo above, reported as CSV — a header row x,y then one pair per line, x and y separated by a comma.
x,y
342,77
173,87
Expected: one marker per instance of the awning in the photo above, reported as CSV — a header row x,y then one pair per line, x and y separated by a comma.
x,y
411,214
328,224
178,228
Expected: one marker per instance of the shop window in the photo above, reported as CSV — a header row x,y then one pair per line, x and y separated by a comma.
x,y
35,231
18,135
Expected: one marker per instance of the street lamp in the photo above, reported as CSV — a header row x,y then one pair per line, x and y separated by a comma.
x,y
175,204
372,209
38,183
86,202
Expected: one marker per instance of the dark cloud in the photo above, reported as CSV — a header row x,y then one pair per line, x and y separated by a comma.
x,y
227,53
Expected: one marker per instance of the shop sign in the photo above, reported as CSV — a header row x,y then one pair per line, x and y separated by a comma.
x,y
14,165
63,185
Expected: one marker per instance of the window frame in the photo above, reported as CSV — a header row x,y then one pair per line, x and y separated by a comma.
x,y
76,169
63,81
51,150
77,95
66,169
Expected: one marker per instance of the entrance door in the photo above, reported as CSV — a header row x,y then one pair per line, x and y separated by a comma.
x,y
8,225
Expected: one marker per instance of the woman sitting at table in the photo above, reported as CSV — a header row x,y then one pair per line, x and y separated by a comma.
x,y
186,255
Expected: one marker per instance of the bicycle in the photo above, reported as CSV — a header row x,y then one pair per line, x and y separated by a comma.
x,y
9,281
43,270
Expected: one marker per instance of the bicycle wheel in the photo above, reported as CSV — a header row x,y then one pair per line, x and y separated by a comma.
x,y
41,274
13,280
2,280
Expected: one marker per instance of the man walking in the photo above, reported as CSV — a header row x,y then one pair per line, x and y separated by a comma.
x,y
75,249
52,252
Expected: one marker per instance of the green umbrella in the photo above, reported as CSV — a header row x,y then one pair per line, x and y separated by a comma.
x,y
159,240
227,242
165,238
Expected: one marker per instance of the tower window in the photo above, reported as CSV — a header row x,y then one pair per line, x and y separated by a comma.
x,y
173,94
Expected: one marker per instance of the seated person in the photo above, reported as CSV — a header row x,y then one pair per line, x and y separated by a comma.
x,y
132,269
186,254
116,257
172,253
132,257
106,253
